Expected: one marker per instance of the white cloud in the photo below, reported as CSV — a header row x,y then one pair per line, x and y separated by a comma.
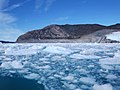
x,y
38,4
14,6
45,3
8,31
62,18
49,4
6,18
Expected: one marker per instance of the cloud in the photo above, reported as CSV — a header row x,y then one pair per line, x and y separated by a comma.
x,y
9,33
14,6
8,30
38,4
45,3
6,18
49,4
62,18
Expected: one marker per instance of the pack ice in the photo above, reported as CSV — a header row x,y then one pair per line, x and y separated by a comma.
x,y
64,66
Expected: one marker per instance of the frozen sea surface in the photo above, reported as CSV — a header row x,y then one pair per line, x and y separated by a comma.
x,y
63,66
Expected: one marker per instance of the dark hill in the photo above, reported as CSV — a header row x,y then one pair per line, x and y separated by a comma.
x,y
61,32
81,32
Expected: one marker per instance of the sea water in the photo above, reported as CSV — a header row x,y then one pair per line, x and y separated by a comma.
x,y
15,83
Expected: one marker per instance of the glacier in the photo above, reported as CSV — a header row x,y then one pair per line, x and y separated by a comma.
x,y
64,66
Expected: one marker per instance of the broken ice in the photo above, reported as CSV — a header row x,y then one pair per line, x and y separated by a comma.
x,y
64,66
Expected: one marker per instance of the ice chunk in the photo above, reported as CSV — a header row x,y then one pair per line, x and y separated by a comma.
x,y
83,71
78,89
16,64
58,76
102,87
114,36
114,60
72,86
9,51
57,50
7,59
79,56
69,78
54,58
106,67
32,76
110,76
36,46
87,80
91,66
45,67
89,51
13,64
109,61
6,65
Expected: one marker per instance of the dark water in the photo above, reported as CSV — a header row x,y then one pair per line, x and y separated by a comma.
x,y
12,83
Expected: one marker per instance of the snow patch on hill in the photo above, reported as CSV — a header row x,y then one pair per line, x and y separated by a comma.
x,y
114,36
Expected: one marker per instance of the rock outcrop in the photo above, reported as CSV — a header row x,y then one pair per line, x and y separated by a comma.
x,y
70,33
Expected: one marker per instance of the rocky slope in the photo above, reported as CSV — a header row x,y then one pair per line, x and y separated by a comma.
x,y
83,33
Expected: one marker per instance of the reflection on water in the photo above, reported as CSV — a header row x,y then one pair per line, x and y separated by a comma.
x,y
12,83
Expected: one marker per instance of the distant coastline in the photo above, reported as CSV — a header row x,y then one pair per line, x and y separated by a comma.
x,y
6,42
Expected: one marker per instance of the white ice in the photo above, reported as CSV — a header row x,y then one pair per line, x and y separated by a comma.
x,y
12,64
32,76
57,50
102,87
20,52
87,80
78,56
69,78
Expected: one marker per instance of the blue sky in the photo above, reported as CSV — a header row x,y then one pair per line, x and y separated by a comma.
x,y
20,16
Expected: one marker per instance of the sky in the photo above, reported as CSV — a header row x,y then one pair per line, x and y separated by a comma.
x,y
20,16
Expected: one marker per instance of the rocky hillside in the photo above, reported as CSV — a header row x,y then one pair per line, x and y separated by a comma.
x,y
70,33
